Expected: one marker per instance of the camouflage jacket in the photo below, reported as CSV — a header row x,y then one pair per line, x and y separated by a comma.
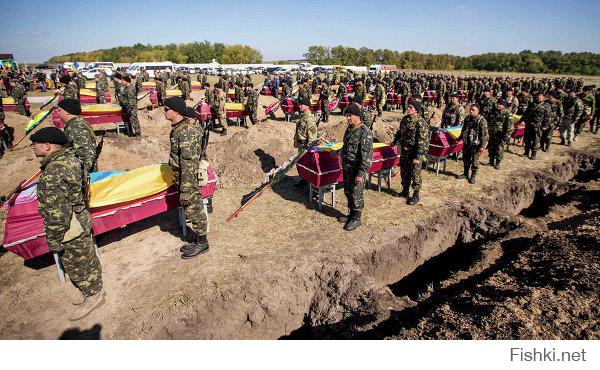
x,y
359,90
306,130
286,90
209,97
324,94
60,193
341,91
474,131
501,126
238,94
556,112
70,92
487,106
220,100
589,104
252,101
101,85
453,115
573,108
379,92
128,98
524,101
412,137
537,115
82,141
80,81
513,104
366,118
303,93
357,151
185,154
19,93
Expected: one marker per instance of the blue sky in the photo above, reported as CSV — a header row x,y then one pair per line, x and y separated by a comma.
x,y
36,30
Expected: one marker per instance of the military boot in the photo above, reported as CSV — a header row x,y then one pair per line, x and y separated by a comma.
x,y
224,132
527,153
89,305
533,154
497,164
472,178
404,193
198,248
414,199
343,219
209,205
353,222
464,175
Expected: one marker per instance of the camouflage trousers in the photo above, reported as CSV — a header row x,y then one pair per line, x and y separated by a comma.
x,y
324,112
252,117
380,105
20,107
531,139
567,130
471,158
134,122
496,149
82,265
185,94
594,124
195,213
222,119
580,123
100,96
353,192
410,173
546,137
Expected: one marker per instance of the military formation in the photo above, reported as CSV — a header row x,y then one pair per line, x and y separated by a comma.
x,y
483,107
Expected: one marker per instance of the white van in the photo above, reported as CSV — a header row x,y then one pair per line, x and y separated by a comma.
x,y
150,67
93,65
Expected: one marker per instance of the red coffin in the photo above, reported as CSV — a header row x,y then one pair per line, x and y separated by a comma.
x,y
289,106
350,88
92,99
148,88
442,144
393,99
13,107
92,120
322,168
344,102
24,223
518,131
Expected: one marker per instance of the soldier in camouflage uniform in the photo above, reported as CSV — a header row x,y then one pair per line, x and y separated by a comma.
x,y
475,137
138,82
19,94
303,92
595,122
573,109
324,101
184,87
101,88
357,157
128,100
412,139
589,106
6,133
186,152
286,90
524,99
454,113
535,117
70,90
487,104
220,99
251,103
80,80
512,101
341,91
359,90
500,129
306,127
365,114
67,222
238,95
555,114
380,97
80,136
160,88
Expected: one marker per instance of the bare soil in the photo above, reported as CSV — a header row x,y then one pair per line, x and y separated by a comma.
x,y
283,268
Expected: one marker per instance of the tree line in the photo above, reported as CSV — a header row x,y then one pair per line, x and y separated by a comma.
x,y
526,61
194,52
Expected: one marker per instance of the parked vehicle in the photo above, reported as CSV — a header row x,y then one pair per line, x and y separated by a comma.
x,y
89,74
150,67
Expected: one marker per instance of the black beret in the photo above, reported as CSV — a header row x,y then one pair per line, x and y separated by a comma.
x,y
476,106
417,104
455,94
50,135
126,78
218,85
304,101
353,110
503,102
207,85
177,104
64,79
118,76
72,106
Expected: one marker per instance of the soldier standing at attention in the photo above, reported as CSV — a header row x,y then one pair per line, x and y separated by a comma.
x,y
501,127
454,113
101,88
128,100
357,157
487,104
80,136
184,159
412,138
251,102
380,96
306,130
184,87
359,90
67,221
160,87
324,101
555,110
475,137
536,116
573,109
19,94
220,99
